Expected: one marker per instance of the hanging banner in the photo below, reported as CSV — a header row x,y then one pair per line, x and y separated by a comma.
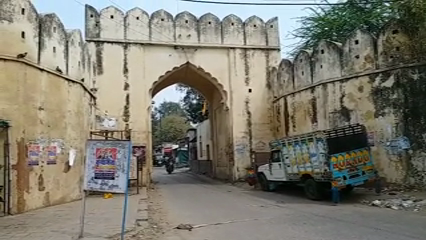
x,y
33,154
51,155
107,163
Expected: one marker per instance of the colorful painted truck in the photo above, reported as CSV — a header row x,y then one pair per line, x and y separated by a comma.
x,y
318,160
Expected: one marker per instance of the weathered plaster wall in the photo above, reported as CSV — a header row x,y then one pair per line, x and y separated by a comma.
x,y
203,139
228,61
45,96
363,80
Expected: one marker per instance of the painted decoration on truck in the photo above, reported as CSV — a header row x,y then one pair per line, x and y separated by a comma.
x,y
342,161
293,159
298,152
313,153
305,154
352,167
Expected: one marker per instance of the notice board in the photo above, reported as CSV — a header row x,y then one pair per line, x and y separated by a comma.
x,y
107,165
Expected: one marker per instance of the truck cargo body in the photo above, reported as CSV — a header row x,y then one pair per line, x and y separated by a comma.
x,y
340,157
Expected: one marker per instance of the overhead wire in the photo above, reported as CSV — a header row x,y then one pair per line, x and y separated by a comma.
x,y
273,3
172,41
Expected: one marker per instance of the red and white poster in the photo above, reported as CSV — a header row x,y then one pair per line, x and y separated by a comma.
x,y
138,154
34,152
51,155
106,163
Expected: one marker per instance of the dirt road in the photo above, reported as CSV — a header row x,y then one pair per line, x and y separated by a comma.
x,y
220,211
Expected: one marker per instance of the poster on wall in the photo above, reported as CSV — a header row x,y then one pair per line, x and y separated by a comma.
x,y
51,155
106,159
107,163
33,154
138,153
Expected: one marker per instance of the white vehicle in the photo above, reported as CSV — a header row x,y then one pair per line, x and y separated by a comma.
x,y
337,157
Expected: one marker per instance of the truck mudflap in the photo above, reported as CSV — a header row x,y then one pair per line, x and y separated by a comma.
x,y
353,167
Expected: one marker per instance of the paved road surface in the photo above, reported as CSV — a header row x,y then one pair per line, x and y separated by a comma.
x,y
259,215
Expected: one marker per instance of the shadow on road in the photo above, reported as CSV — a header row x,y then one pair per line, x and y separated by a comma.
x,y
287,194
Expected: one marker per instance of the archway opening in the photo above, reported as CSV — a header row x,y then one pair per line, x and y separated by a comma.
x,y
208,139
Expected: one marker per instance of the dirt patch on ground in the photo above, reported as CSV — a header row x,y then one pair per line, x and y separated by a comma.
x,y
157,225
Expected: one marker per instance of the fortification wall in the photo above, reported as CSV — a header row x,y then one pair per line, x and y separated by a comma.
x,y
134,49
366,79
161,27
45,95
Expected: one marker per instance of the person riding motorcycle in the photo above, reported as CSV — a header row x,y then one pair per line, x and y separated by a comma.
x,y
170,158
170,162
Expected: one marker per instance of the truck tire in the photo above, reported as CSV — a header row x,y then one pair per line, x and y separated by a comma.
x,y
313,190
265,185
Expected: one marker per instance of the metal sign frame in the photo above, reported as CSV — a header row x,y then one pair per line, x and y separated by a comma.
x,y
119,135
124,136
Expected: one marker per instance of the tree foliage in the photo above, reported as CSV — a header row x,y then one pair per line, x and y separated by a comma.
x,y
336,22
170,129
167,108
169,123
192,104
412,15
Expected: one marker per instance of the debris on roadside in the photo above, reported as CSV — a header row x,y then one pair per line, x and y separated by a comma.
x,y
188,227
402,203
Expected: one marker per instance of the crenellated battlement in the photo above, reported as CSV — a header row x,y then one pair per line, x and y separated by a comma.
x,y
360,53
44,40
163,28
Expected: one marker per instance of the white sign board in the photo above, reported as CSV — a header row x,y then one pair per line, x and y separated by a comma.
x,y
107,165
106,123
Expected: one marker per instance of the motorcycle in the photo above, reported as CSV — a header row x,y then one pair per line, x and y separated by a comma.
x,y
170,166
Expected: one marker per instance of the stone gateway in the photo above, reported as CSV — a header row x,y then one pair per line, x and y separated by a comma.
x,y
55,85
136,55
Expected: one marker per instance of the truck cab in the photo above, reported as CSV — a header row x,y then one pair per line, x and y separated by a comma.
x,y
338,157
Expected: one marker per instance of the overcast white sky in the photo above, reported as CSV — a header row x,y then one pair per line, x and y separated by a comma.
x,y
71,13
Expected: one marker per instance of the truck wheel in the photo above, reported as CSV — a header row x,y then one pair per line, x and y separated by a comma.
x,y
264,183
313,190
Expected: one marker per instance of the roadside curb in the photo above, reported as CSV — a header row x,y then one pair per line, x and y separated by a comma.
x,y
142,211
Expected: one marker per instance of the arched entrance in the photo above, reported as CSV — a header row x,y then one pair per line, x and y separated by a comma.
x,y
221,134
134,60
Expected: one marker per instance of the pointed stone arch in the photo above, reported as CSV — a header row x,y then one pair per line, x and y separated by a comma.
x,y
219,115
188,70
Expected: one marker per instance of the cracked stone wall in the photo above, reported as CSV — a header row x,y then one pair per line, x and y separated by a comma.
x,y
229,61
366,79
45,95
